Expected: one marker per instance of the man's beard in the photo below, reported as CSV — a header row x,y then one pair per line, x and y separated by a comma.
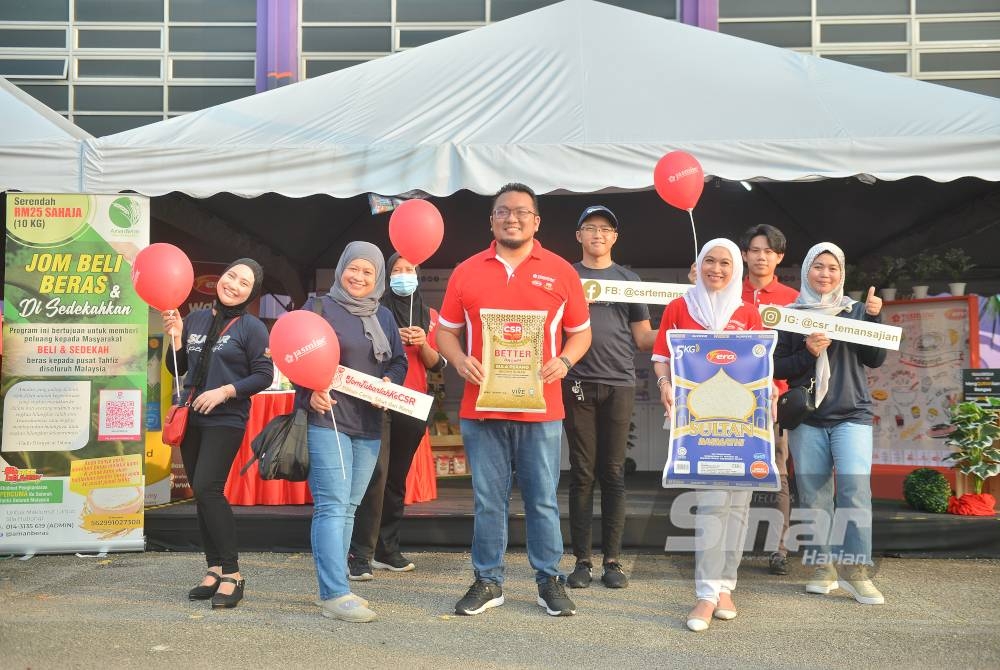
x,y
513,244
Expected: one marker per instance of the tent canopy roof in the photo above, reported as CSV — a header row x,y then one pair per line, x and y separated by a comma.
x,y
578,96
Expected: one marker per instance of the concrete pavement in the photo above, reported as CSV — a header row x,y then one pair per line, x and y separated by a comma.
x,y
131,611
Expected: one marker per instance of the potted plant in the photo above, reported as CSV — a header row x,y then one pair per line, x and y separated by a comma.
x,y
956,265
890,271
975,452
855,281
927,490
924,266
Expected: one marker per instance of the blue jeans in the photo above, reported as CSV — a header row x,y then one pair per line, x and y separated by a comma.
x,y
847,449
493,447
338,478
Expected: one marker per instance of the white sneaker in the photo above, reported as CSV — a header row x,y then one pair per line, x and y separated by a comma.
x,y
824,580
861,588
347,607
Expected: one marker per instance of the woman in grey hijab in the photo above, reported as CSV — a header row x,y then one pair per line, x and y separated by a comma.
x,y
345,432
837,436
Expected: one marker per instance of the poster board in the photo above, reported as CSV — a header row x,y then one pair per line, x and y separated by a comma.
x,y
916,385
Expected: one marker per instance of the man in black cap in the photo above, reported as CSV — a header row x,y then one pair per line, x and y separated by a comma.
x,y
598,394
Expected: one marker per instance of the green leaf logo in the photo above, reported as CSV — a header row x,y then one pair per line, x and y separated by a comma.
x,y
125,212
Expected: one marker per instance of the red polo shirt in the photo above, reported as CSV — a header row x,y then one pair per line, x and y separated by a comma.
x,y
677,317
774,293
543,281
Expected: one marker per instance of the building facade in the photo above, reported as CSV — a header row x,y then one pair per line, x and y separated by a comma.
x,y
113,65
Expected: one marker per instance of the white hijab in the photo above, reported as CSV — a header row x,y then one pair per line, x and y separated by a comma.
x,y
714,309
833,303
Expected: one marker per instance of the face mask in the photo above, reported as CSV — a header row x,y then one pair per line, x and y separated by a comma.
x,y
403,284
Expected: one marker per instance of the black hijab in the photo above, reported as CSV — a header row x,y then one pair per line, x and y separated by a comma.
x,y
399,305
224,314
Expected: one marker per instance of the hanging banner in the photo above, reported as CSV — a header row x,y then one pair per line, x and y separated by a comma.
x,y
74,374
721,430
644,292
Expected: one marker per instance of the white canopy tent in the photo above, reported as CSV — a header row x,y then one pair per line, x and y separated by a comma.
x,y
578,96
39,150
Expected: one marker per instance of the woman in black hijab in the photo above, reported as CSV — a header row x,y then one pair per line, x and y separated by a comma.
x,y
375,541
223,353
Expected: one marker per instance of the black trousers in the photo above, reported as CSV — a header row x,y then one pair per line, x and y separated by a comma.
x,y
208,454
377,519
597,431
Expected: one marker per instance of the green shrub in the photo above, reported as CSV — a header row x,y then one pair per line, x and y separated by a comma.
x,y
927,490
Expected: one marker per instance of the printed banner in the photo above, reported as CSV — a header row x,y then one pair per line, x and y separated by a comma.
x,y
74,374
378,392
645,292
835,327
914,389
721,430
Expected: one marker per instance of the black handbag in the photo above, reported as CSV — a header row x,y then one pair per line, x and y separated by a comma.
x,y
281,449
795,405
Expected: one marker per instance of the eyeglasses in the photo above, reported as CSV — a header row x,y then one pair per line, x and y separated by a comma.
x,y
603,230
521,214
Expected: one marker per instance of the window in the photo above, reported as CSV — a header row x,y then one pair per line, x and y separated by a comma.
x,y
957,6
34,10
981,86
347,11
414,38
118,11
104,98
98,125
789,34
202,11
931,31
117,68
347,39
212,69
441,11
193,98
862,7
41,68
315,68
833,33
32,38
55,97
758,9
504,9
213,38
896,63
118,39
960,62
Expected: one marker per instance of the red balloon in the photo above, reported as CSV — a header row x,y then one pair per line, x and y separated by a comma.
x,y
305,348
162,276
416,230
679,179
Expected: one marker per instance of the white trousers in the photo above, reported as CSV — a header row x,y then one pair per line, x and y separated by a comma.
x,y
721,530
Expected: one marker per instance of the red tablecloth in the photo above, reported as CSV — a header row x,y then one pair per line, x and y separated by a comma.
x,y
250,489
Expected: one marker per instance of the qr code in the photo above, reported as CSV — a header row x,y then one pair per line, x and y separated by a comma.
x,y
119,417
119,414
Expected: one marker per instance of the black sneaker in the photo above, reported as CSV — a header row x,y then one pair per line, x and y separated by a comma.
x,y
777,564
552,596
395,562
581,575
481,596
359,569
614,576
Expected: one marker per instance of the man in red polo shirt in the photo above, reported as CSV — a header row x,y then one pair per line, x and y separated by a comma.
x,y
526,323
763,247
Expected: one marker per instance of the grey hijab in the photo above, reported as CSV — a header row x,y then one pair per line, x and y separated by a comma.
x,y
365,308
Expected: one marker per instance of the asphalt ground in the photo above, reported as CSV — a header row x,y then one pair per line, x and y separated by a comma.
x,y
131,611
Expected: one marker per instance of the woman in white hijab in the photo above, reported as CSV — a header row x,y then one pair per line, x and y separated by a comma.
x,y
714,303
837,437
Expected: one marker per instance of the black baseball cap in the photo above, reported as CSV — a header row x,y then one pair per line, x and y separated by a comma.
x,y
598,210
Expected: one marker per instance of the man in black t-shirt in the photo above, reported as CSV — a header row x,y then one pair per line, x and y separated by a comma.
x,y
598,394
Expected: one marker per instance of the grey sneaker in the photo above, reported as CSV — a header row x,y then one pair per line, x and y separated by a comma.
x,y
824,580
359,569
481,596
860,586
581,576
394,562
347,608
552,596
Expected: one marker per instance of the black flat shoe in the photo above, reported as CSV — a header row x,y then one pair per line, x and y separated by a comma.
x,y
232,599
202,592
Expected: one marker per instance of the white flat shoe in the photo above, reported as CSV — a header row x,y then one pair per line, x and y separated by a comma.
x,y
725,615
697,625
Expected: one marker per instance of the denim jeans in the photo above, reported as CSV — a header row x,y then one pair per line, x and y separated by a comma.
x,y
846,449
338,478
597,432
496,449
